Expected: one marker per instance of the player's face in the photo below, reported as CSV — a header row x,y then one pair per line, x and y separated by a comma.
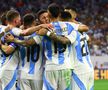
x,y
17,21
44,18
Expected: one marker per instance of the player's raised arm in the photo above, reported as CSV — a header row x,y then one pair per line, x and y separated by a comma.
x,y
34,29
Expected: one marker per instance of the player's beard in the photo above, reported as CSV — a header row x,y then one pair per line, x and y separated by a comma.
x,y
18,26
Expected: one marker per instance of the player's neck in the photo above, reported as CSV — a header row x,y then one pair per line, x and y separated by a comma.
x,y
11,25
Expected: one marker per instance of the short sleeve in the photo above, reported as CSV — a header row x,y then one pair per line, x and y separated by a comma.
x,y
13,45
75,26
72,36
16,31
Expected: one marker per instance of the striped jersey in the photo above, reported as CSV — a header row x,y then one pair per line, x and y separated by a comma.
x,y
58,55
9,62
81,54
31,59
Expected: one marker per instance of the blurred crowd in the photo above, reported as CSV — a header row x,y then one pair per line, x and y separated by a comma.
x,y
93,13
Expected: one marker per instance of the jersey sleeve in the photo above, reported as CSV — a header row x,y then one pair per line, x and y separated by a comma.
x,y
75,26
16,31
87,37
37,39
13,45
72,36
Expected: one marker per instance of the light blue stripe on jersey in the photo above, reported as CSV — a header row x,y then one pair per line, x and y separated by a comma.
x,y
33,56
68,88
32,67
60,55
78,81
4,58
22,55
87,50
49,47
92,88
32,64
87,56
47,84
59,31
69,28
78,48
12,82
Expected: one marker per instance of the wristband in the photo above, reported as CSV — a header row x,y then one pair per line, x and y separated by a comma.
x,y
48,33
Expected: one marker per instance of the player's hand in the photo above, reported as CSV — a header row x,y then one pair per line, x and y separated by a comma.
x,y
9,38
50,26
42,32
1,34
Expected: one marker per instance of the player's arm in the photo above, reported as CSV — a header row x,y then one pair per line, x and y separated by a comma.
x,y
80,27
26,43
62,39
7,49
29,42
31,30
56,38
83,28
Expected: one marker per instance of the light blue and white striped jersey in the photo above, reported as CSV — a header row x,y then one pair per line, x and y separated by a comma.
x,y
81,54
31,59
59,55
9,62
1,30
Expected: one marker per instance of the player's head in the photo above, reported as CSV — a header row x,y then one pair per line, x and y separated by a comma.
x,y
72,12
29,20
65,16
43,17
3,18
53,10
13,17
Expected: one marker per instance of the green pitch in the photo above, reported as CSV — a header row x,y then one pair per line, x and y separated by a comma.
x,y
101,85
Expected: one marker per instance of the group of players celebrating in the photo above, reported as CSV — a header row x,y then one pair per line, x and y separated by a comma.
x,y
51,54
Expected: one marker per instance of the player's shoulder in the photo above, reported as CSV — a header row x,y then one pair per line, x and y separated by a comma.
x,y
15,28
2,27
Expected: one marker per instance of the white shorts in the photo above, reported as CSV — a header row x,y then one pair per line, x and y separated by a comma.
x,y
57,80
27,84
8,79
83,81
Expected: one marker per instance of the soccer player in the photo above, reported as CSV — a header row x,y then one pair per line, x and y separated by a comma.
x,y
66,16
8,64
57,75
31,57
83,73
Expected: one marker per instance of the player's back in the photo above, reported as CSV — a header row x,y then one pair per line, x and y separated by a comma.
x,y
31,60
82,55
58,54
